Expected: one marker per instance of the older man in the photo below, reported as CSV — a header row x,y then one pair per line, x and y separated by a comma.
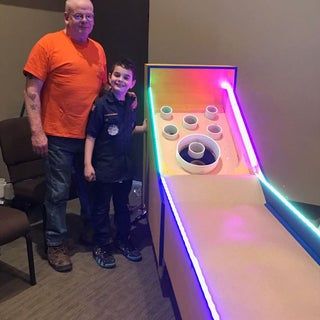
x,y
64,73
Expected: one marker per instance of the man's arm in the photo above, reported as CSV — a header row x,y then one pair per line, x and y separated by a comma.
x,y
33,106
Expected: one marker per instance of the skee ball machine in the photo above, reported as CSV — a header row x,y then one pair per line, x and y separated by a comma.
x,y
227,237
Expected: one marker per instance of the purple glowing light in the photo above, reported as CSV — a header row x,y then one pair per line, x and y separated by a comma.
x,y
242,128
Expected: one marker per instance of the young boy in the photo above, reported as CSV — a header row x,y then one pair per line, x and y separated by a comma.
x,y
108,165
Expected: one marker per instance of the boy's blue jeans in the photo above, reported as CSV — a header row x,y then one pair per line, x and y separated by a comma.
x,y
101,194
65,157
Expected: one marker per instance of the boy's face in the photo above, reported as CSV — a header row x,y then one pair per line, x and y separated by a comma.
x,y
121,80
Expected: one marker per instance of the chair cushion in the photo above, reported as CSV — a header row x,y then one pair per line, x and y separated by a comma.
x,y
31,190
13,224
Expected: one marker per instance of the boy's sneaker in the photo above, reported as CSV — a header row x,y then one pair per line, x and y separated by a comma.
x,y
103,256
129,250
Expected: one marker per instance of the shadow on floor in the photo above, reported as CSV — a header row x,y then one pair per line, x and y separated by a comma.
x,y
140,234
12,280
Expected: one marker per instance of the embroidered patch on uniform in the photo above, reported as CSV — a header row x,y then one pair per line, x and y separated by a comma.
x,y
113,130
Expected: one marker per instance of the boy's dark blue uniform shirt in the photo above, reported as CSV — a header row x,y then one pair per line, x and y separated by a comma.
x,y
111,123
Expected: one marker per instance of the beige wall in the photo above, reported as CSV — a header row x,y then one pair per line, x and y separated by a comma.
x,y
20,28
276,46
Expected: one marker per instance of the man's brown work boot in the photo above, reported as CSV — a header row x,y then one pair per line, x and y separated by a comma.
x,y
59,259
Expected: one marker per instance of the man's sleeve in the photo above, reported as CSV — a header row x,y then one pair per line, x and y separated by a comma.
x,y
104,63
38,62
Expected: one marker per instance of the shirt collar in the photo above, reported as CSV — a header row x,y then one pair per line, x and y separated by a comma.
x,y
110,97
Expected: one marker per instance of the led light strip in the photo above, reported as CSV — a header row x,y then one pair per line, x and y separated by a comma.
x,y
154,131
244,133
287,203
253,159
193,258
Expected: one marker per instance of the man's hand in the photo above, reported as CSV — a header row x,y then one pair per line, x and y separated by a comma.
x,y
40,143
134,103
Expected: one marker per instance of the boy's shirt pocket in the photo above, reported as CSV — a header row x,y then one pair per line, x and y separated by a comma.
x,y
111,124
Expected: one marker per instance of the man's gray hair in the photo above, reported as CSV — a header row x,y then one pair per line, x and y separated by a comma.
x,y
68,5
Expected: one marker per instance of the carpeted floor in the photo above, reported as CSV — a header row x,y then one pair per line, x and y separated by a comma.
x,y
130,291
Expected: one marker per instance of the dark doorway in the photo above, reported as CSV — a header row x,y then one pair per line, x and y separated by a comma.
x,y
122,28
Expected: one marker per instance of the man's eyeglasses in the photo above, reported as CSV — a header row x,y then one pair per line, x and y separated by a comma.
x,y
80,16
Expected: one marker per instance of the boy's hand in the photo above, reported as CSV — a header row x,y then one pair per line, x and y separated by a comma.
x,y
145,125
89,173
134,103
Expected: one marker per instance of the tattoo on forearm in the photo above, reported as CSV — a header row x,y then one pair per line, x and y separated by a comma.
x,y
33,106
32,96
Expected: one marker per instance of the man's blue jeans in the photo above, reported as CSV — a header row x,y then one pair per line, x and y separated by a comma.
x,y
65,157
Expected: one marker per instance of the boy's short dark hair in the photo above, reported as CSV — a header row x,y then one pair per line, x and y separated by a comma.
x,y
126,64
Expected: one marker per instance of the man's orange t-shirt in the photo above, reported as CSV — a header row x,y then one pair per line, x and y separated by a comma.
x,y
73,75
